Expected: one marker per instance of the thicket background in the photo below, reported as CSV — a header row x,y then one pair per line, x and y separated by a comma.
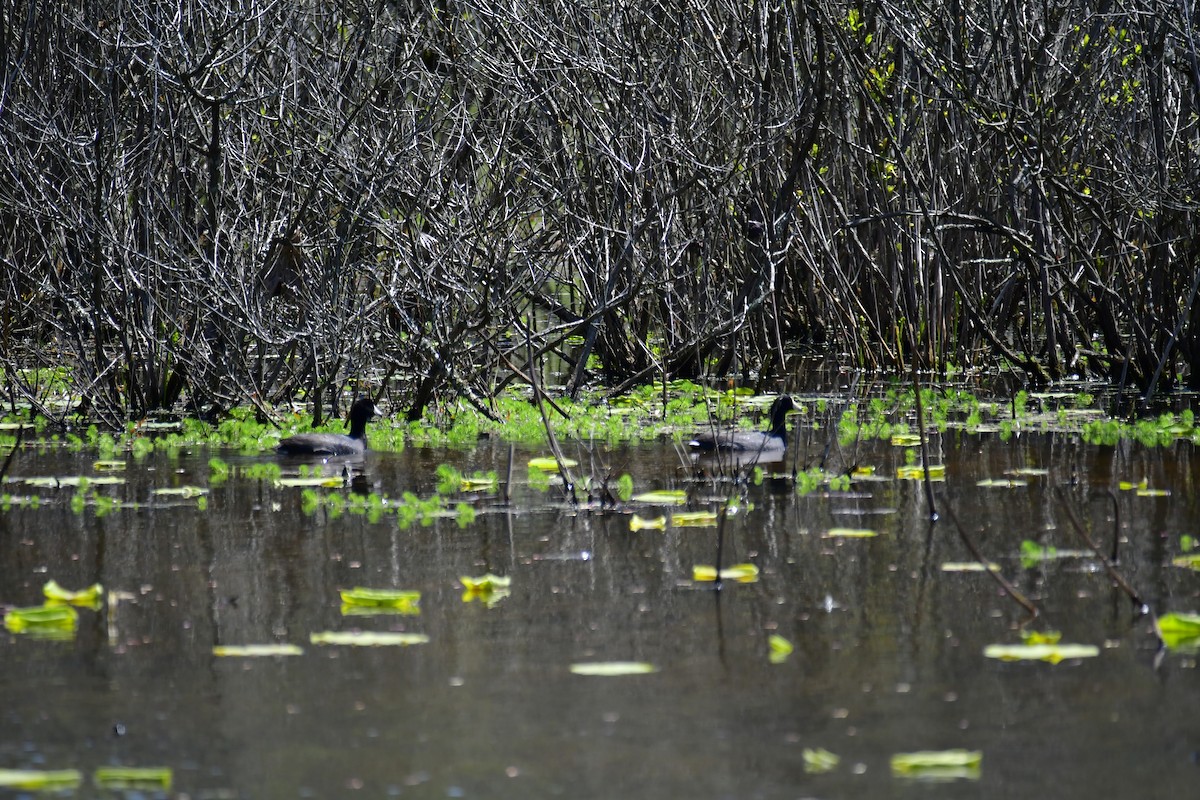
x,y
212,201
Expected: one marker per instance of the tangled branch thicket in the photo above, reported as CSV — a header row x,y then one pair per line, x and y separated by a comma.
x,y
209,201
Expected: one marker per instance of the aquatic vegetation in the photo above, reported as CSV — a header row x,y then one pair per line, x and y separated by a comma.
x,y
610,669
661,497
133,778
37,780
849,533
256,650
779,649
818,760
398,600
658,523
938,764
368,638
89,596
1051,652
739,573
1179,631
49,621
489,589
694,519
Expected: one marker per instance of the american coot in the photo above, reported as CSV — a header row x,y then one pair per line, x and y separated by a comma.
x,y
748,443
334,444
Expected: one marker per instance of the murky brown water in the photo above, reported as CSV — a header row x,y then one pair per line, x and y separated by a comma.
x,y
888,651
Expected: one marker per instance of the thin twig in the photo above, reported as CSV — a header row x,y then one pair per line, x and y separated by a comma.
x,y
1126,587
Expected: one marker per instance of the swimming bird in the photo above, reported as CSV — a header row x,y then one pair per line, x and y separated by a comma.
x,y
749,443
334,444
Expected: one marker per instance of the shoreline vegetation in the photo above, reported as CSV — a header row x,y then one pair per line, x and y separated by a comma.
x,y
225,206
818,422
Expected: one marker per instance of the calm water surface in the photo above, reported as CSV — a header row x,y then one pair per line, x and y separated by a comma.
x,y
888,647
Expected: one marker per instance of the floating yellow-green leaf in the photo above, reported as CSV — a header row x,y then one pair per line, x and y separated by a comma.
x,y
485,583
405,601
861,472
121,778
466,484
1128,486
849,533
1000,483
257,650
938,764
1032,472
37,780
546,464
1179,630
937,472
368,638
327,481
637,523
89,597
50,621
54,482
906,440
184,491
818,760
780,649
1041,637
694,519
1052,653
969,566
108,465
610,669
662,497
741,573
1189,561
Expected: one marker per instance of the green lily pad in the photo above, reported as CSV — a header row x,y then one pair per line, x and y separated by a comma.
x,y
941,764
849,533
368,638
485,583
181,491
937,472
309,482
133,778
256,650
694,519
662,497
818,760
56,482
780,649
613,668
1051,653
1001,483
398,599
658,523
1179,630
969,566
48,621
741,573
1189,561
547,464
89,597
37,780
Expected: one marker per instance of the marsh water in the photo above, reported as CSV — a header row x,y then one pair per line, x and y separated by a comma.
x,y
888,651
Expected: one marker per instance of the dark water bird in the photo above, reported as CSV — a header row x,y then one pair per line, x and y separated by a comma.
x,y
334,444
772,441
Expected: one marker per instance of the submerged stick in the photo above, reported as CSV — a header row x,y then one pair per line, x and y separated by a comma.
x,y
1005,584
1126,587
16,446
